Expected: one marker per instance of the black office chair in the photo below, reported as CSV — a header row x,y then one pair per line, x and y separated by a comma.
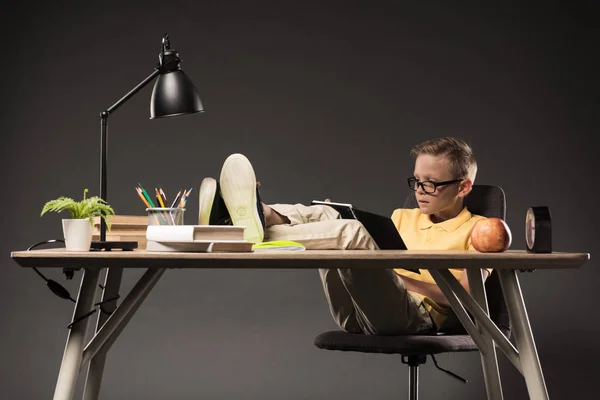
x,y
483,200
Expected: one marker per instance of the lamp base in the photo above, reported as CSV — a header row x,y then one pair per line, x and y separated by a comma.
x,y
108,246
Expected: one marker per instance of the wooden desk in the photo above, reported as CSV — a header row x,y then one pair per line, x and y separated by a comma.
x,y
485,333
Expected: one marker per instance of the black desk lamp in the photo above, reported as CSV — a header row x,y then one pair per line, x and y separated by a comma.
x,y
173,94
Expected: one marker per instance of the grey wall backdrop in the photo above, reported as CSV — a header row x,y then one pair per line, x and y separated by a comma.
x,y
326,100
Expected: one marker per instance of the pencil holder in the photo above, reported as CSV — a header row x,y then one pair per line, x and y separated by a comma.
x,y
165,216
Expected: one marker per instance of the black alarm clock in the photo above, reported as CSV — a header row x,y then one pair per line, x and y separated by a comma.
x,y
538,230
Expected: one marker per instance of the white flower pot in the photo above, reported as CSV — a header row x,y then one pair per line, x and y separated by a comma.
x,y
78,234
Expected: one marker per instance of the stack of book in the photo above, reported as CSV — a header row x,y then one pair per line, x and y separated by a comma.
x,y
197,238
124,228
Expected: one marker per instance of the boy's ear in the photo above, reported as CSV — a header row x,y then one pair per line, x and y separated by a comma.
x,y
465,187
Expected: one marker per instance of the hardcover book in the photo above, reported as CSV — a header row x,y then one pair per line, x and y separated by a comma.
x,y
191,233
200,246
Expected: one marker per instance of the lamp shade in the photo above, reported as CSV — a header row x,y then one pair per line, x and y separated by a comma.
x,y
174,94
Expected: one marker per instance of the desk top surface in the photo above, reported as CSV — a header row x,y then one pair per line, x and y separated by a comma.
x,y
309,259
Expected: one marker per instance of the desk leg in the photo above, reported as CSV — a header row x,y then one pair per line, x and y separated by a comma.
x,y
71,362
115,324
93,380
454,292
489,360
532,370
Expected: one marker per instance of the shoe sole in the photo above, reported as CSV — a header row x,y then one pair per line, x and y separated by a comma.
x,y
238,189
206,194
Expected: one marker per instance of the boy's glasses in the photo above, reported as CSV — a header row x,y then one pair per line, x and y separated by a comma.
x,y
428,187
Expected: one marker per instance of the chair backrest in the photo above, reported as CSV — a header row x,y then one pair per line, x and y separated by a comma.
x,y
488,201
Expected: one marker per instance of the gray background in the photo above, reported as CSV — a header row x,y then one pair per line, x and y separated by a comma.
x,y
326,100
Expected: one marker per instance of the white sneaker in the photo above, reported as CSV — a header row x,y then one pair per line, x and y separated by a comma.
x,y
240,194
211,208
206,194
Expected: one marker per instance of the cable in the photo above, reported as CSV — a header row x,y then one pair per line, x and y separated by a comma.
x,y
54,286
63,293
452,374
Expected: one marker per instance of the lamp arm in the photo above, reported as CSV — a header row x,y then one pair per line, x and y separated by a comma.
x,y
133,91
103,136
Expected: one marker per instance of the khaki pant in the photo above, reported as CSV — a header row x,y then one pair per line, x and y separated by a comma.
x,y
369,301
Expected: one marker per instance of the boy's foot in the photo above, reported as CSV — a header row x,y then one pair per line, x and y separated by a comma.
x,y
206,195
241,197
212,210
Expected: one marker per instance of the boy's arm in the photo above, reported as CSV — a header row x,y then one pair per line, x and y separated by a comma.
x,y
433,291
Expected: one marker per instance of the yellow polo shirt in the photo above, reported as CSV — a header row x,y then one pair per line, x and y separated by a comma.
x,y
419,233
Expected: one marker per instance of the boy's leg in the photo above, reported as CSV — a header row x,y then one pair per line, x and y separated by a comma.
x,y
382,304
239,201
301,214
373,302
334,234
340,303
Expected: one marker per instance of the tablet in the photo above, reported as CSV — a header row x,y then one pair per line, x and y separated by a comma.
x,y
381,228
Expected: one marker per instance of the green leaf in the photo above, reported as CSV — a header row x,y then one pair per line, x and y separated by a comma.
x,y
87,208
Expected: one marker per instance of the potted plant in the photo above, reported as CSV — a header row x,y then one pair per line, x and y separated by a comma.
x,y
78,230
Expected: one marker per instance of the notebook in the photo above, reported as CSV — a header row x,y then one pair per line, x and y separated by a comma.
x,y
279,245
381,228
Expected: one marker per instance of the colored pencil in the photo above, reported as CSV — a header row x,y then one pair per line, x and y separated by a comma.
x,y
164,196
139,192
146,196
180,205
176,199
187,196
159,198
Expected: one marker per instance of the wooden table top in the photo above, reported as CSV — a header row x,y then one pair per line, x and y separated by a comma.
x,y
309,259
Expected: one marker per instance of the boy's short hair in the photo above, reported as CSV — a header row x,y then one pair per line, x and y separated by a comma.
x,y
458,153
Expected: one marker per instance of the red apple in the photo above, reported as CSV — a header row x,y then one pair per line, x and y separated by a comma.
x,y
491,235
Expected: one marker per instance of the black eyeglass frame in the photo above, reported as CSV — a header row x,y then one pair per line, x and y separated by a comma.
x,y
412,181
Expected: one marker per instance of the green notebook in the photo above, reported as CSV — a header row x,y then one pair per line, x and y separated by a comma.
x,y
279,245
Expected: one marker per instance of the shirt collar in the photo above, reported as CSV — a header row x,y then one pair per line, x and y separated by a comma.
x,y
448,225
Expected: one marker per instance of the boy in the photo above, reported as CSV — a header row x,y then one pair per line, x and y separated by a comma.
x,y
375,301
